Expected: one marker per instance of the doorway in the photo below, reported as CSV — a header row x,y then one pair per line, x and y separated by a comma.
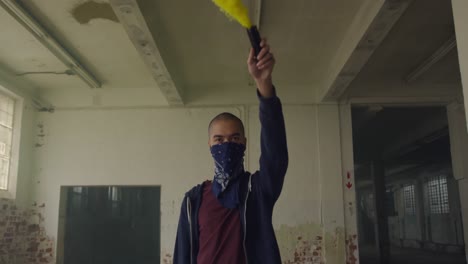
x,y
109,225
407,199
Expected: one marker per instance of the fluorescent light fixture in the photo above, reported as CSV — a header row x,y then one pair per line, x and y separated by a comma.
x,y
33,26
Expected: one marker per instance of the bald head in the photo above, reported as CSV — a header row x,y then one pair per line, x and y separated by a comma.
x,y
226,127
226,117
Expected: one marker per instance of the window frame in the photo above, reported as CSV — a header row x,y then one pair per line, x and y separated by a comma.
x,y
12,180
409,199
440,194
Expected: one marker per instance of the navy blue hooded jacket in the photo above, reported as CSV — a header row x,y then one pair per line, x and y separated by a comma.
x,y
258,194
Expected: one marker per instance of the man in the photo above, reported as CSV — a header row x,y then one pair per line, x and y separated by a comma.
x,y
229,220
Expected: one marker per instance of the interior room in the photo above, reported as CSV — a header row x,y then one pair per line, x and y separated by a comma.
x,y
105,111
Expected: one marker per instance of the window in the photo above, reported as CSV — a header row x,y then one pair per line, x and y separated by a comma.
x,y
438,195
7,108
408,195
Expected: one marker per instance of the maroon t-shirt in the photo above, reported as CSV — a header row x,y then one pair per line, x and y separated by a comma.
x,y
220,228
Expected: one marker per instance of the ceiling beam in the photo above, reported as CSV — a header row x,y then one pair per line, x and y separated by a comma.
x,y
387,16
256,12
424,132
41,34
134,22
438,55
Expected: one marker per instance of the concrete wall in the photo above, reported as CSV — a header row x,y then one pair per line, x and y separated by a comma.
x,y
168,147
23,237
22,231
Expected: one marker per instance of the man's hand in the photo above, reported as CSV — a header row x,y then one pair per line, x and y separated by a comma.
x,y
261,68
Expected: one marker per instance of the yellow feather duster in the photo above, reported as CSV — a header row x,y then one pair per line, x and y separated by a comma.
x,y
235,9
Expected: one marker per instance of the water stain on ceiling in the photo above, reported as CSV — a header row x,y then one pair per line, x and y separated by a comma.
x,y
87,11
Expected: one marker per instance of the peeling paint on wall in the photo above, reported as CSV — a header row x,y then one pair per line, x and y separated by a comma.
x,y
40,135
90,10
351,250
22,236
167,258
308,244
300,244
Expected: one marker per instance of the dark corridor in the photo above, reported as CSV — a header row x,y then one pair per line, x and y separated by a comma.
x,y
408,200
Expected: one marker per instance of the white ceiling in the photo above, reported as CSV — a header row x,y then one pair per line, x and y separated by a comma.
x,y
205,53
101,45
21,53
420,32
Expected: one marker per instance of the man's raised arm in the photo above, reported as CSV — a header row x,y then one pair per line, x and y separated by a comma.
x,y
274,151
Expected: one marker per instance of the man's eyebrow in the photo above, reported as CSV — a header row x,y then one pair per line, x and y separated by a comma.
x,y
232,135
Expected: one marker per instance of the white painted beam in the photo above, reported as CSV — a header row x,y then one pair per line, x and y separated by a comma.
x,y
376,29
41,34
438,55
134,22
256,12
357,29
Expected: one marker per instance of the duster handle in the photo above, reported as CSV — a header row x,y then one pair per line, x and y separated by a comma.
x,y
255,39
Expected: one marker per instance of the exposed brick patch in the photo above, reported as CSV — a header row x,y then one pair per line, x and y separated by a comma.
x,y
22,236
167,259
307,251
351,250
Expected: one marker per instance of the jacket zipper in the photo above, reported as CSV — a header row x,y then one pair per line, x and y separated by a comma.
x,y
189,207
245,218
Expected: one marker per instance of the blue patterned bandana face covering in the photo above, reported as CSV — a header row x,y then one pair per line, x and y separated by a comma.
x,y
229,166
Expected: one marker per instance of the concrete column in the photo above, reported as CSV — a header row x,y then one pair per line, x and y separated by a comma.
x,y
333,219
463,187
383,241
460,9
349,185
459,150
419,193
